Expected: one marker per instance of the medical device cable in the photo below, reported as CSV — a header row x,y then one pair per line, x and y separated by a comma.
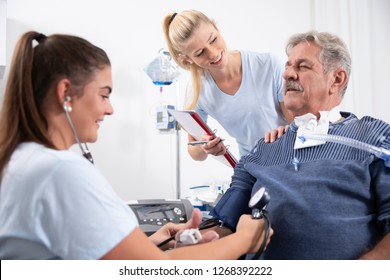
x,y
203,225
381,153
209,223
86,153
265,216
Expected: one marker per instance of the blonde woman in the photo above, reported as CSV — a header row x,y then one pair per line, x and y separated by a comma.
x,y
242,90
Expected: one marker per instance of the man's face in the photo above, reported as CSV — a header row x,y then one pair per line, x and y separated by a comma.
x,y
307,88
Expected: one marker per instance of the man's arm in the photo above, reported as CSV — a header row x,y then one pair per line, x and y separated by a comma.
x,y
234,202
380,252
222,231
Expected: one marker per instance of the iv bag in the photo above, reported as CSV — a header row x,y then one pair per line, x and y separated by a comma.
x,y
161,70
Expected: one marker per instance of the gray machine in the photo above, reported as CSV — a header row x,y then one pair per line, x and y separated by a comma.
x,y
154,213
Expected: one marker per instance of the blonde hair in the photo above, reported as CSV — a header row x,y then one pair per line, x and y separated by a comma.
x,y
178,28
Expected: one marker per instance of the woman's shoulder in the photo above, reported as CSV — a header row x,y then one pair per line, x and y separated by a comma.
x,y
36,152
260,57
266,64
44,162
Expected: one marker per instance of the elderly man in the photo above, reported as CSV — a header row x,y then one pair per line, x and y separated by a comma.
x,y
328,200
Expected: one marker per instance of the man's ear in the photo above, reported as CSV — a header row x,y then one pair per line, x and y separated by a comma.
x,y
339,80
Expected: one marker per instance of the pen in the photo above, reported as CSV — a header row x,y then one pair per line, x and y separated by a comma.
x,y
201,142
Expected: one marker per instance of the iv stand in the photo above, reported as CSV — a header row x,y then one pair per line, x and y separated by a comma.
x,y
162,72
177,131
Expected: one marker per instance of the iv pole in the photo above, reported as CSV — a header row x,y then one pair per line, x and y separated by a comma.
x,y
163,72
177,131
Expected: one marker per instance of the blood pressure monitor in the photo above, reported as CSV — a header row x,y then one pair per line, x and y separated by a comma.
x,y
258,202
154,213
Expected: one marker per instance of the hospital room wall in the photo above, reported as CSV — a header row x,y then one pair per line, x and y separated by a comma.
x,y
137,160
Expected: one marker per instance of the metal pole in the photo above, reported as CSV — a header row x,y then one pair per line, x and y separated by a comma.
x,y
177,128
178,193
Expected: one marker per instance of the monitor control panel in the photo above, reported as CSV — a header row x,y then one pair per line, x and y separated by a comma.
x,y
154,213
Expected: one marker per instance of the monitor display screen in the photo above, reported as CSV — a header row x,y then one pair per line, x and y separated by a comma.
x,y
153,212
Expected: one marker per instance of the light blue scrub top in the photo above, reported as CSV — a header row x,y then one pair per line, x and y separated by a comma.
x,y
57,205
254,109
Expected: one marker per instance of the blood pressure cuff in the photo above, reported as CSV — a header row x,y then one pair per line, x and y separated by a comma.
x,y
231,206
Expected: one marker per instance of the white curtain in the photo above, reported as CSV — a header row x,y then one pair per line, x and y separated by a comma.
x,y
363,25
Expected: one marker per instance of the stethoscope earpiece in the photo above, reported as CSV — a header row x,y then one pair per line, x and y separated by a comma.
x,y
67,107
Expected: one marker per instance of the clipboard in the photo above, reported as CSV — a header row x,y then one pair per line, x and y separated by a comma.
x,y
196,127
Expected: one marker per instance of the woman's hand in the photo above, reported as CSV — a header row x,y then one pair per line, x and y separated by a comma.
x,y
272,135
170,230
253,230
214,147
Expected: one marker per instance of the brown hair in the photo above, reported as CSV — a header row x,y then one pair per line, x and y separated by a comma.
x,y
34,72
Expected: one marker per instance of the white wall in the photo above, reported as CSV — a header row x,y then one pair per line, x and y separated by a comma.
x,y
3,29
136,159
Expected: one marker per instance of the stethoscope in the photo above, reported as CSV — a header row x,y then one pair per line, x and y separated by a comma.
x,y
86,153
258,203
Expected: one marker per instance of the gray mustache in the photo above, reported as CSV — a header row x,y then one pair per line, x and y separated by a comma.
x,y
292,85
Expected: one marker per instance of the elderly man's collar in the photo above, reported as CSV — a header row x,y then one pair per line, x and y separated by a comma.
x,y
331,116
